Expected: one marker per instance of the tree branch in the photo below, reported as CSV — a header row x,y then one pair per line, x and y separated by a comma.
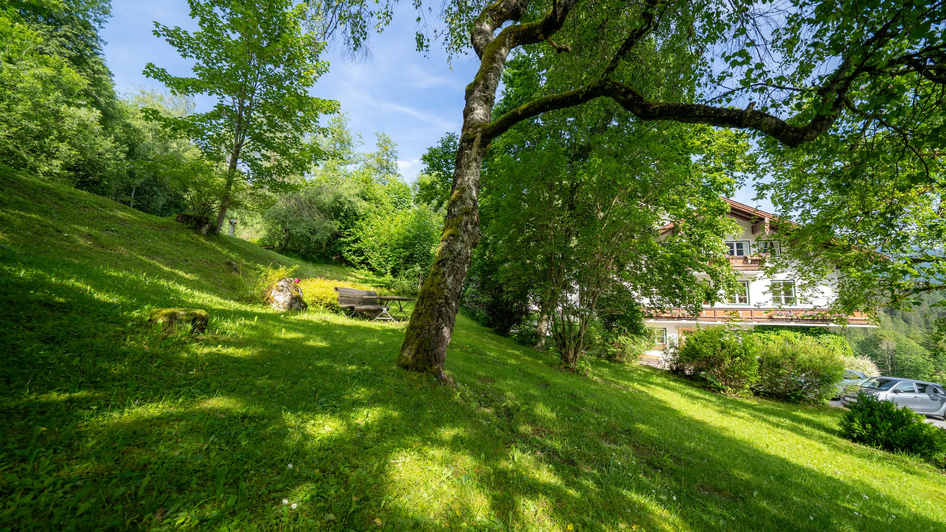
x,y
644,109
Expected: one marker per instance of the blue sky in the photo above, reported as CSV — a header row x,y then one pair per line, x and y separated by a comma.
x,y
413,98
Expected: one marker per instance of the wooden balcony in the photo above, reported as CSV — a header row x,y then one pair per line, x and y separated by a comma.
x,y
747,263
765,316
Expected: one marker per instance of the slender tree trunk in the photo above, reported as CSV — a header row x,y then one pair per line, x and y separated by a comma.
x,y
238,139
224,200
547,307
542,330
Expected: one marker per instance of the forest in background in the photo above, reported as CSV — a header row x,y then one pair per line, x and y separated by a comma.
x,y
906,344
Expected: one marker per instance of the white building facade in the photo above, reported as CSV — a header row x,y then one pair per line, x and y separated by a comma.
x,y
776,301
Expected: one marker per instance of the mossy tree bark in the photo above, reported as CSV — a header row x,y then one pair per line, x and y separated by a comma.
x,y
431,326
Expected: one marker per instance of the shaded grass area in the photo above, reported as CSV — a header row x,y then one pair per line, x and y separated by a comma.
x,y
112,425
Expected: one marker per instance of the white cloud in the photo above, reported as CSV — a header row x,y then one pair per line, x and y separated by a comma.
x,y
410,169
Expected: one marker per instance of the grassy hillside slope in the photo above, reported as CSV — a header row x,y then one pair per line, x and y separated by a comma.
x,y
110,425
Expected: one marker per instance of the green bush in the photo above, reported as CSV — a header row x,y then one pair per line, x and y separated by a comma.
x,y
312,220
722,356
797,367
618,347
883,425
320,293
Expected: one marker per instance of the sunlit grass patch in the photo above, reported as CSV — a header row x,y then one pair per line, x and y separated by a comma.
x,y
115,424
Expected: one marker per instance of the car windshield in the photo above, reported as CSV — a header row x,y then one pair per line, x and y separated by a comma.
x,y
879,383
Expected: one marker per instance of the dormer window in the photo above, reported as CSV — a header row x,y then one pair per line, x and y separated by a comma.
x,y
738,248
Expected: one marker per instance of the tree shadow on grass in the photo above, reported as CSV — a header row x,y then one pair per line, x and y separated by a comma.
x,y
180,432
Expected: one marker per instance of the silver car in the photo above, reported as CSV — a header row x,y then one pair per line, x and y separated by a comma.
x,y
922,397
851,379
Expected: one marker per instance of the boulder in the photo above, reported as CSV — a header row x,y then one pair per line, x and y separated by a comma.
x,y
285,294
172,317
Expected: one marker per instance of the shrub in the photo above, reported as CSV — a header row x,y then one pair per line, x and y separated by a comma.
x,y
796,367
862,364
883,425
722,356
320,293
195,222
392,241
310,221
618,347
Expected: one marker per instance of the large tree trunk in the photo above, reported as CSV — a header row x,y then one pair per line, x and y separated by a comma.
x,y
431,326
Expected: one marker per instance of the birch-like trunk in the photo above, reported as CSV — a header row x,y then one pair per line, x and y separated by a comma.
x,y
431,326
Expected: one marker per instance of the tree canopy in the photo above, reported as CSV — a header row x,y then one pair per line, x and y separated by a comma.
x,y
798,70
255,58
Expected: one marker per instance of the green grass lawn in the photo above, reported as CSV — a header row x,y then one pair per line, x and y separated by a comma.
x,y
111,425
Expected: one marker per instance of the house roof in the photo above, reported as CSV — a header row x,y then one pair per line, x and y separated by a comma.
x,y
763,221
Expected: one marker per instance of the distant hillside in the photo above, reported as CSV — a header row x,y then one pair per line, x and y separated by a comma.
x,y
906,344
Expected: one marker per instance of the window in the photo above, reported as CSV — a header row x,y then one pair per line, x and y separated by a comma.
x,y
783,292
906,387
660,336
879,383
921,388
741,295
768,246
738,248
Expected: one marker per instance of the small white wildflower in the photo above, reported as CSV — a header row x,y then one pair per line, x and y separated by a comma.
x,y
866,497
810,518
857,514
289,466
285,501
294,506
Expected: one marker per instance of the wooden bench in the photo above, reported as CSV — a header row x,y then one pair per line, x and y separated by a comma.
x,y
363,302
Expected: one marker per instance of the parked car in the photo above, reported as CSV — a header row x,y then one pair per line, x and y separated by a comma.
x,y
922,397
850,379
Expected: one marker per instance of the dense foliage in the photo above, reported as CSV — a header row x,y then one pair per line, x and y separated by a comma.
x,y
61,119
721,356
572,209
884,425
257,61
784,365
354,208
795,367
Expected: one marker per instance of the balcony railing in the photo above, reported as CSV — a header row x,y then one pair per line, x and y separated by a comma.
x,y
772,316
751,262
